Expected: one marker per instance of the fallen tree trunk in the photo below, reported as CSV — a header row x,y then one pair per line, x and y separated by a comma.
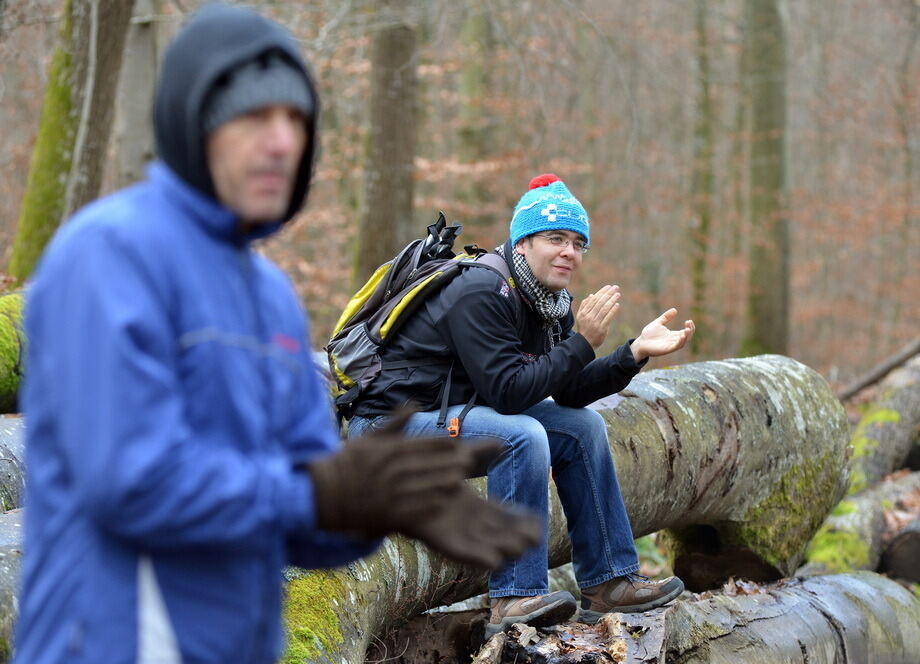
x,y
745,457
11,345
10,557
852,537
901,558
886,433
12,461
748,453
837,619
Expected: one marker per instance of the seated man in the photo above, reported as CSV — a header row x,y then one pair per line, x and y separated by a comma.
x,y
514,355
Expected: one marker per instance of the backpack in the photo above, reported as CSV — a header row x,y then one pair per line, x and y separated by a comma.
x,y
393,293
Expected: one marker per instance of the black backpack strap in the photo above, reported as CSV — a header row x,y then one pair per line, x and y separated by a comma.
x,y
416,362
455,422
445,399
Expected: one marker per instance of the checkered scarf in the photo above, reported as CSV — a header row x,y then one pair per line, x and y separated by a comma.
x,y
551,307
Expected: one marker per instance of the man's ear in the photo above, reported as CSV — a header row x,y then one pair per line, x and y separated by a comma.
x,y
519,247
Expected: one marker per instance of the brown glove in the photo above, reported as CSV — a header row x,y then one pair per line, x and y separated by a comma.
x,y
477,531
383,482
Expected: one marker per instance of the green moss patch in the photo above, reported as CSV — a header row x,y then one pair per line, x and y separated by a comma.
x,y
838,551
10,342
864,443
310,617
780,526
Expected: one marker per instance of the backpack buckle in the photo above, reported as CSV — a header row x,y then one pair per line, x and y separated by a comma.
x,y
454,428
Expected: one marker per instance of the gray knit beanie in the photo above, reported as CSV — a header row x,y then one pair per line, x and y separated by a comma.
x,y
269,79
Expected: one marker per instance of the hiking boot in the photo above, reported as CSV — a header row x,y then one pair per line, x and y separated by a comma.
x,y
632,593
537,611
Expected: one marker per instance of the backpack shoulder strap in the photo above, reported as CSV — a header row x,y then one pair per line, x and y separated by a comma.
x,y
497,263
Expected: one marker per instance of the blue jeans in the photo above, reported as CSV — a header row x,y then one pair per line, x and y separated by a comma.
x,y
573,441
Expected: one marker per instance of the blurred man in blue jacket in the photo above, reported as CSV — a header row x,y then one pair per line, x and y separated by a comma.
x,y
180,445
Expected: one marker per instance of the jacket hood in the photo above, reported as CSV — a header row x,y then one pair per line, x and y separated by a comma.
x,y
216,40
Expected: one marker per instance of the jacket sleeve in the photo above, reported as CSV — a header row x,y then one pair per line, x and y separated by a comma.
x,y
602,377
103,354
313,433
480,329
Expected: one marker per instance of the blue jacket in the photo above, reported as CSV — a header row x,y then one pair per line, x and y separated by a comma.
x,y
170,395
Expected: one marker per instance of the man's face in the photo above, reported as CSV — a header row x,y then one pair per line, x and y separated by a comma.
x,y
254,159
552,265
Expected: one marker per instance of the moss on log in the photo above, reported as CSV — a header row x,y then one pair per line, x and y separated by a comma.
x,y
740,460
887,432
851,536
752,451
11,340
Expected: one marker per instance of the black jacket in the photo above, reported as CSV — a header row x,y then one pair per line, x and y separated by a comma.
x,y
501,355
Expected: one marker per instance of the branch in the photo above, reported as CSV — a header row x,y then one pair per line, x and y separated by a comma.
x,y
879,371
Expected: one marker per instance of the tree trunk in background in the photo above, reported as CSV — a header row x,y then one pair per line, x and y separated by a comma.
x,y
386,221
764,69
477,125
752,448
133,139
703,177
70,149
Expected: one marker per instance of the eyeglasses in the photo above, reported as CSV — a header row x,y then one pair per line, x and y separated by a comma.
x,y
562,242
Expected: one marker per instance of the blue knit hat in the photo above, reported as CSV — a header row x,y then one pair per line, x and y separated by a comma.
x,y
548,206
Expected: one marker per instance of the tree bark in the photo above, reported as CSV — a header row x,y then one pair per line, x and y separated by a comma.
x,y
751,451
887,432
386,219
838,619
11,347
902,555
10,558
70,148
12,462
852,536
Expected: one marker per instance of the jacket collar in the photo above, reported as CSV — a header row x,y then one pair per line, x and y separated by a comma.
x,y
203,209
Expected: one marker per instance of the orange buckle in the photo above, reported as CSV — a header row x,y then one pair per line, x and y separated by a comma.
x,y
454,428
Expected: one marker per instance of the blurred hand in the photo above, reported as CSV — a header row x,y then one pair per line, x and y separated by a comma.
x,y
595,313
478,531
656,339
384,481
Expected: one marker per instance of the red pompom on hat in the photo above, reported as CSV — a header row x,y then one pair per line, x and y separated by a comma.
x,y
543,180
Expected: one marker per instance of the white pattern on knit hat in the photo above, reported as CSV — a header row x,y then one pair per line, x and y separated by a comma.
x,y
548,206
